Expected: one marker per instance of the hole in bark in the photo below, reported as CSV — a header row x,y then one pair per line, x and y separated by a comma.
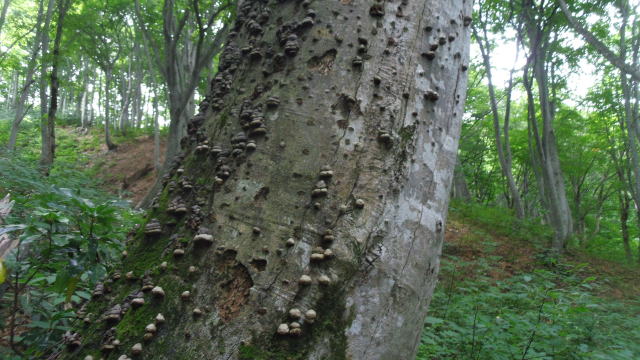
x,y
323,63
235,291
342,124
262,194
259,264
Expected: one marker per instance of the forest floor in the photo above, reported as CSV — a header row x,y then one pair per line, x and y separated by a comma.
x,y
503,295
508,257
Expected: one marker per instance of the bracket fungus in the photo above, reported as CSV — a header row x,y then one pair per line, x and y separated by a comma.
x,y
324,280
283,329
151,328
153,228
305,280
310,315
295,313
431,95
178,252
136,349
160,319
157,292
137,302
113,315
326,172
203,239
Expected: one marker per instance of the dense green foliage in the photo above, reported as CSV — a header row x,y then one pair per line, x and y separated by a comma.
x,y
557,310
70,235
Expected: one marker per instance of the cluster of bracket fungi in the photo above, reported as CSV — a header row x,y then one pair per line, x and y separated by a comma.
x,y
226,157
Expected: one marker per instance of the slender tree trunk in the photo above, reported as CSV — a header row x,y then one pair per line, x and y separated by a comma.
x,y
376,213
505,163
156,136
20,110
624,226
83,100
126,99
108,74
44,65
63,108
3,13
49,142
460,187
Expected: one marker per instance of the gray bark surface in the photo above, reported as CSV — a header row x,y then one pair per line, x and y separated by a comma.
x,y
352,92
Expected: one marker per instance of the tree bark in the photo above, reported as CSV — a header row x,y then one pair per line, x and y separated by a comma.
x,y
107,107
624,226
355,96
126,99
156,135
49,141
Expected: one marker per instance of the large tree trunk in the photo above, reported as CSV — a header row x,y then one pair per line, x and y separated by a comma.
x,y
341,85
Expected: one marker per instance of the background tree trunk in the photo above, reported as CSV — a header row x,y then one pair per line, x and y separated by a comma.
x,y
3,13
353,95
548,173
20,111
503,149
49,141
107,107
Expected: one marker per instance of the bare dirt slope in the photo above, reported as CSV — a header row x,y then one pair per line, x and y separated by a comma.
x,y
129,171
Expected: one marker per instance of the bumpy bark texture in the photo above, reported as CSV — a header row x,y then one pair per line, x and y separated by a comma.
x,y
331,129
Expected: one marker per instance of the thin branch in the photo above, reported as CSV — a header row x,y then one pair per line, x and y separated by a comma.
x,y
599,45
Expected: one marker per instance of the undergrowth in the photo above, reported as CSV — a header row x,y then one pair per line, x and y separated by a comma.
x,y
69,233
553,311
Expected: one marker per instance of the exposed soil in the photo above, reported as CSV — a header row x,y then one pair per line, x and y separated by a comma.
x,y
129,171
